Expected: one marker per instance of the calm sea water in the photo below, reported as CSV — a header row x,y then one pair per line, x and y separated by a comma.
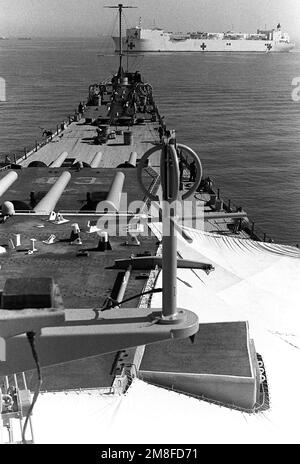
x,y
235,110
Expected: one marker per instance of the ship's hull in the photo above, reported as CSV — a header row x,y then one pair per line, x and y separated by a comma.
x,y
202,45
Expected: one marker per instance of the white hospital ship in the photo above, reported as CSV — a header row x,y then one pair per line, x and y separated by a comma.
x,y
143,40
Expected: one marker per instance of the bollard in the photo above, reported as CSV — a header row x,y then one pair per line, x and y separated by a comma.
x,y
75,234
11,245
33,242
17,240
50,240
104,243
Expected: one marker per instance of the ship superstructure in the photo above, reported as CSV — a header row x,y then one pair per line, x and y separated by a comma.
x,y
139,39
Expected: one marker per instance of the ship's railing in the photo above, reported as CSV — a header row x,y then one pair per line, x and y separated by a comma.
x,y
60,128
257,408
78,391
254,231
15,384
75,212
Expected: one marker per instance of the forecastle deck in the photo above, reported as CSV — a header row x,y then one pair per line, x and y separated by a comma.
x,y
72,175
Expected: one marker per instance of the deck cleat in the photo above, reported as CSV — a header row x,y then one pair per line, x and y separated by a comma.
x,y
104,243
50,240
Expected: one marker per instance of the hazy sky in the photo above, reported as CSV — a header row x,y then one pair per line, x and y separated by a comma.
x,y
77,18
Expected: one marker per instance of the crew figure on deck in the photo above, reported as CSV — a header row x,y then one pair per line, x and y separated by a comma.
x,y
80,108
208,184
240,223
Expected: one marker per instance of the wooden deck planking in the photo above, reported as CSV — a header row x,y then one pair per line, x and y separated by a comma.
x,y
77,141
219,349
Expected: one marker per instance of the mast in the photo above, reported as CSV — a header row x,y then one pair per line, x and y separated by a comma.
x,y
120,38
120,7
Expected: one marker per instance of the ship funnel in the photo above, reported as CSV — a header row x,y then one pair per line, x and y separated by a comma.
x,y
48,203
